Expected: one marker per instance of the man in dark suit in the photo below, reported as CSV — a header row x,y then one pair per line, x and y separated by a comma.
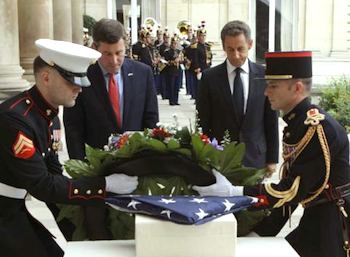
x,y
92,120
121,98
242,110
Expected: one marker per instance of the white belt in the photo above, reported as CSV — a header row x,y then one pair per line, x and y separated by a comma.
x,y
12,192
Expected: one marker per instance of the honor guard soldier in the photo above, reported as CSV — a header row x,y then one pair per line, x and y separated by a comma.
x,y
315,172
172,56
26,155
146,52
166,42
137,47
191,79
202,60
162,64
159,39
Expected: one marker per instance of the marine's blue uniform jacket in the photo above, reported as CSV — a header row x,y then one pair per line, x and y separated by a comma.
x,y
28,164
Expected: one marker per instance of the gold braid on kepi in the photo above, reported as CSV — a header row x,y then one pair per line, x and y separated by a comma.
x,y
314,118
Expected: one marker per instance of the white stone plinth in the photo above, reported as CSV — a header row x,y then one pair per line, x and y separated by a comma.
x,y
217,238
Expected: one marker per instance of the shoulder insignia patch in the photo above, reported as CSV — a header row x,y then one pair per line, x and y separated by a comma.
x,y
313,117
23,147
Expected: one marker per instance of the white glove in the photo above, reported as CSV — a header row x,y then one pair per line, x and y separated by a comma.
x,y
121,183
222,187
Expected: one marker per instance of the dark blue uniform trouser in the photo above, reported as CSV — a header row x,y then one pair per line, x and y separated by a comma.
x,y
163,87
172,83
188,82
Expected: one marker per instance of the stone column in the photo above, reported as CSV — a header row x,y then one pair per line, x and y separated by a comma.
x,y
35,21
11,81
77,21
238,10
150,9
339,35
62,20
316,18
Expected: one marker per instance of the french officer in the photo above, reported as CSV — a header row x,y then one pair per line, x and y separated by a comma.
x,y
315,172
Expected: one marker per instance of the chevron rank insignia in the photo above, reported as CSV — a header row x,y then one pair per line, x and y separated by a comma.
x,y
23,147
313,117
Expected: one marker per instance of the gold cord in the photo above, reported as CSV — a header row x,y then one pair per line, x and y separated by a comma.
x,y
326,154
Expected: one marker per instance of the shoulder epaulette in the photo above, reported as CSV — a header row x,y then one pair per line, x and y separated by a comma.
x,y
194,45
22,105
143,45
313,117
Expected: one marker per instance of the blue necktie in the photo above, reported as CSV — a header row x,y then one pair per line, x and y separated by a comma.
x,y
238,96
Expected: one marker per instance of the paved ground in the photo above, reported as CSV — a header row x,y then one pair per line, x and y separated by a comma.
x,y
185,113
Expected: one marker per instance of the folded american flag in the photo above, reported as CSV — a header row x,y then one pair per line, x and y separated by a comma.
x,y
181,209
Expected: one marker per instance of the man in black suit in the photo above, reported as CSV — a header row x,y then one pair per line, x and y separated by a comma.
x,y
242,110
121,98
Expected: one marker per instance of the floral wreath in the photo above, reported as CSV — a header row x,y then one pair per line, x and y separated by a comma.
x,y
226,157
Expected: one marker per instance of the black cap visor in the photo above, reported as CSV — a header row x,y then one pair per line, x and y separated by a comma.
x,y
79,79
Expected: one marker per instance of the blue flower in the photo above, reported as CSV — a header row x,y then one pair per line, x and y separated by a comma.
x,y
215,143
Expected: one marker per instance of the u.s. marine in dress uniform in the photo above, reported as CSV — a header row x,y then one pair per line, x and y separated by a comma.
x,y
29,165
315,172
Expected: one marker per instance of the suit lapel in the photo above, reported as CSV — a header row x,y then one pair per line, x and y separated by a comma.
x,y
127,74
225,85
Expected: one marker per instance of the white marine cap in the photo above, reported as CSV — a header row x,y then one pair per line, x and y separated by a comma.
x,y
69,59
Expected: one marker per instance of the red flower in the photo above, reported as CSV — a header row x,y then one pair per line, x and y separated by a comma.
x,y
160,133
205,139
122,141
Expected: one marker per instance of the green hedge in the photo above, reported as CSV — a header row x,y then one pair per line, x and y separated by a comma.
x,y
335,99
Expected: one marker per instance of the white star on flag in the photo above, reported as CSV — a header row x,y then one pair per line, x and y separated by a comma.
x,y
167,201
201,214
133,204
199,200
228,205
167,212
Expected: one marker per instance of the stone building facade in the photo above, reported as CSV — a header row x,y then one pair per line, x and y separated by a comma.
x,y
320,26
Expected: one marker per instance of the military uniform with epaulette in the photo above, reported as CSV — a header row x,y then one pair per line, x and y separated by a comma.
x,y
202,56
316,161
146,55
172,75
29,164
315,172
162,71
191,79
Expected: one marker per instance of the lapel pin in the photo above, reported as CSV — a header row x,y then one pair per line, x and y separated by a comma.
x,y
130,74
